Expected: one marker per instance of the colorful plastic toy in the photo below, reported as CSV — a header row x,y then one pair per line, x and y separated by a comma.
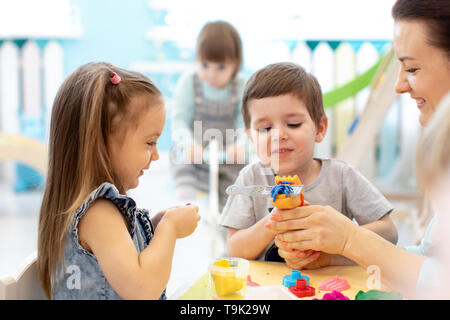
x,y
302,290
335,283
282,193
287,193
291,279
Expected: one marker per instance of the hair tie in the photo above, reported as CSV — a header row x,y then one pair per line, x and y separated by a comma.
x,y
115,79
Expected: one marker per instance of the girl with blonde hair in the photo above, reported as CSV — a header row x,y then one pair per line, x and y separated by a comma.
x,y
93,242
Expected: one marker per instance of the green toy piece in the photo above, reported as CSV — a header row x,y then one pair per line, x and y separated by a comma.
x,y
378,295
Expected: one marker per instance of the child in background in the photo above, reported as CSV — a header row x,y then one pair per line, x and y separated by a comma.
x,y
206,99
94,243
433,173
284,118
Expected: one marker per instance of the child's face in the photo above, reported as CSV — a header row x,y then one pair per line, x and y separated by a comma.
x,y
131,152
425,70
216,74
283,133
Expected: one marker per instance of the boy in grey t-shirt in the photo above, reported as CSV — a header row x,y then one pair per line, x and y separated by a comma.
x,y
284,117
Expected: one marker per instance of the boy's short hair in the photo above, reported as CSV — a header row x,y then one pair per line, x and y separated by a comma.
x,y
280,79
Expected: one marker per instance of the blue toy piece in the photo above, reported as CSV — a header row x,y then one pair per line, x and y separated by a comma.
x,y
291,279
280,188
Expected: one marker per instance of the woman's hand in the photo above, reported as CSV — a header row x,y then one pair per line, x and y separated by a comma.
x,y
320,228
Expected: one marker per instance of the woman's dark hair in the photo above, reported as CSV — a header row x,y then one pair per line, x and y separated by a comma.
x,y
436,15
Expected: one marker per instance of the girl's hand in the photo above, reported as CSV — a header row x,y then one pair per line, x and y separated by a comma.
x,y
157,217
320,228
183,219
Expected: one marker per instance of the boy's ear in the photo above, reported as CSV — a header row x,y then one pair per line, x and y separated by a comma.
x,y
322,129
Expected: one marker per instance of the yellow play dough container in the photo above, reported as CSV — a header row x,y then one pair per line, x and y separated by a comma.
x,y
228,278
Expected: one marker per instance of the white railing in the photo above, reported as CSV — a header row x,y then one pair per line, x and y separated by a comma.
x,y
30,74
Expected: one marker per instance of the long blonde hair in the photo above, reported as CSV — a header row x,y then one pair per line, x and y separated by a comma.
x,y
433,149
87,109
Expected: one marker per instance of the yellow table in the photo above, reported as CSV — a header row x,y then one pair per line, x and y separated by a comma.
x,y
272,273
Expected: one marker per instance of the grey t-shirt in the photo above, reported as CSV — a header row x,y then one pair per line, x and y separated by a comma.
x,y
338,185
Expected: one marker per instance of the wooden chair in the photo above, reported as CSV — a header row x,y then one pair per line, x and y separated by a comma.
x,y
24,284
25,150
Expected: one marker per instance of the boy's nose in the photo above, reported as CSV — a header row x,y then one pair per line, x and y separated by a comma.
x,y
283,135
279,134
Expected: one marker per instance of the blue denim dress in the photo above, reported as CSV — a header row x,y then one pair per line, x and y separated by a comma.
x,y
83,278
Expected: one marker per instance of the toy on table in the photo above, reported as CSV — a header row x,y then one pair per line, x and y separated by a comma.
x,y
291,279
378,295
334,295
301,289
335,283
287,193
229,278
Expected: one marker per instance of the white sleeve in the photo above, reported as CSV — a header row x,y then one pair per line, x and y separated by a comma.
x,y
239,212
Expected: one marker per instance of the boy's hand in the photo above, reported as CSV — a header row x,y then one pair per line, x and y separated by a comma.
x,y
183,219
308,259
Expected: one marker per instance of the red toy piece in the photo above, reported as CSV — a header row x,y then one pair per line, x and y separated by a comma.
x,y
302,290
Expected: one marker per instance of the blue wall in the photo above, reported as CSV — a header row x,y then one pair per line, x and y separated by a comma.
x,y
114,31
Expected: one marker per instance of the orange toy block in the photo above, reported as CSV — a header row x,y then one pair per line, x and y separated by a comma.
x,y
282,201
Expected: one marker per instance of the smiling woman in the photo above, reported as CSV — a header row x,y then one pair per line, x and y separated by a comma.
x,y
422,44
425,67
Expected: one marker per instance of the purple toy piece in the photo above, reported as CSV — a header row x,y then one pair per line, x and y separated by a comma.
x,y
334,295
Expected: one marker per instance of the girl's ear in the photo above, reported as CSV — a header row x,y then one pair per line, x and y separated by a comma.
x,y
322,129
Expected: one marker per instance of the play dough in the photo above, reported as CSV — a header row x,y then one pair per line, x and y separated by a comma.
x,y
222,263
334,283
228,279
335,295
